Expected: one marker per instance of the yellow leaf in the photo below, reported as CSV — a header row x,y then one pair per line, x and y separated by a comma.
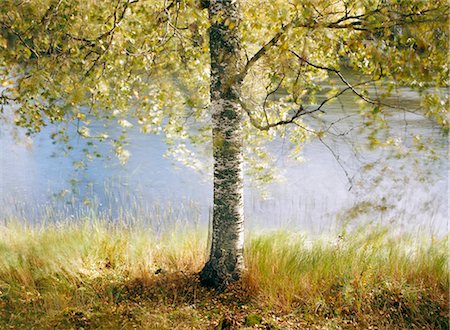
x,y
81,116
3,42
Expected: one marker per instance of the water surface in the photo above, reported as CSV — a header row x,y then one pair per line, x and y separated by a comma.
x,y
315,195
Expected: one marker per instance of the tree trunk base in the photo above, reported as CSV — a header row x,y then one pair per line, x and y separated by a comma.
x,y
215,276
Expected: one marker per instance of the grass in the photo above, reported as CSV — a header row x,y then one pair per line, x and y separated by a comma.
x,y
90,274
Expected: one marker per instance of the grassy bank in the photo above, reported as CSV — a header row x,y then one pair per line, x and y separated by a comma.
x,y
94,275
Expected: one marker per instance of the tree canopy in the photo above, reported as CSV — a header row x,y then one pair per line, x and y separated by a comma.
x,y
72,61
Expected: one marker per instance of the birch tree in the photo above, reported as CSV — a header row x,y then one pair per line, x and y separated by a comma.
x,y
226,73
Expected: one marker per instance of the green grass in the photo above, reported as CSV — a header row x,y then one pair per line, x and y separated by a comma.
x,y
364,278
91,274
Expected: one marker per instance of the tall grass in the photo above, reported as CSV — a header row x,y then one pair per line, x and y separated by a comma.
x,y
51,272
58,267
365,274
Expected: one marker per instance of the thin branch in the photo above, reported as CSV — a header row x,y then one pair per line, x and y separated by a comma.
x,y
338,94
350,86
22,40
299,112
263,50
338,160
268,95
116,22
109,33
51,11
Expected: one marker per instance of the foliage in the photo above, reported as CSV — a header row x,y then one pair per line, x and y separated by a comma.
x,y
146,63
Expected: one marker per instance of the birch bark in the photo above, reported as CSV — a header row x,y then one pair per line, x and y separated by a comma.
x,y
226,262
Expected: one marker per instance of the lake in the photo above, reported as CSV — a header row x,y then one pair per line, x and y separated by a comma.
x,y
410,192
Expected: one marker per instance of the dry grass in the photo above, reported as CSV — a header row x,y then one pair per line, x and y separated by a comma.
x,y
363,279
91,274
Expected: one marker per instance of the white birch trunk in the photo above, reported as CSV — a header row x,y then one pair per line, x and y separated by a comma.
x,y
225,262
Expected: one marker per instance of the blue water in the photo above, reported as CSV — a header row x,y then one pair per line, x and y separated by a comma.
x,y
411,192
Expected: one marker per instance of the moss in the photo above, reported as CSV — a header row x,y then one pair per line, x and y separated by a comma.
x,y
252,320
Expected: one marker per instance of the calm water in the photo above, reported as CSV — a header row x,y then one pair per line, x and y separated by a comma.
x,y
409,192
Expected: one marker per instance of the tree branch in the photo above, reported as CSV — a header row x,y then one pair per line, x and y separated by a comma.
x,y
339,74
260,53
338,160
268,95
299,112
